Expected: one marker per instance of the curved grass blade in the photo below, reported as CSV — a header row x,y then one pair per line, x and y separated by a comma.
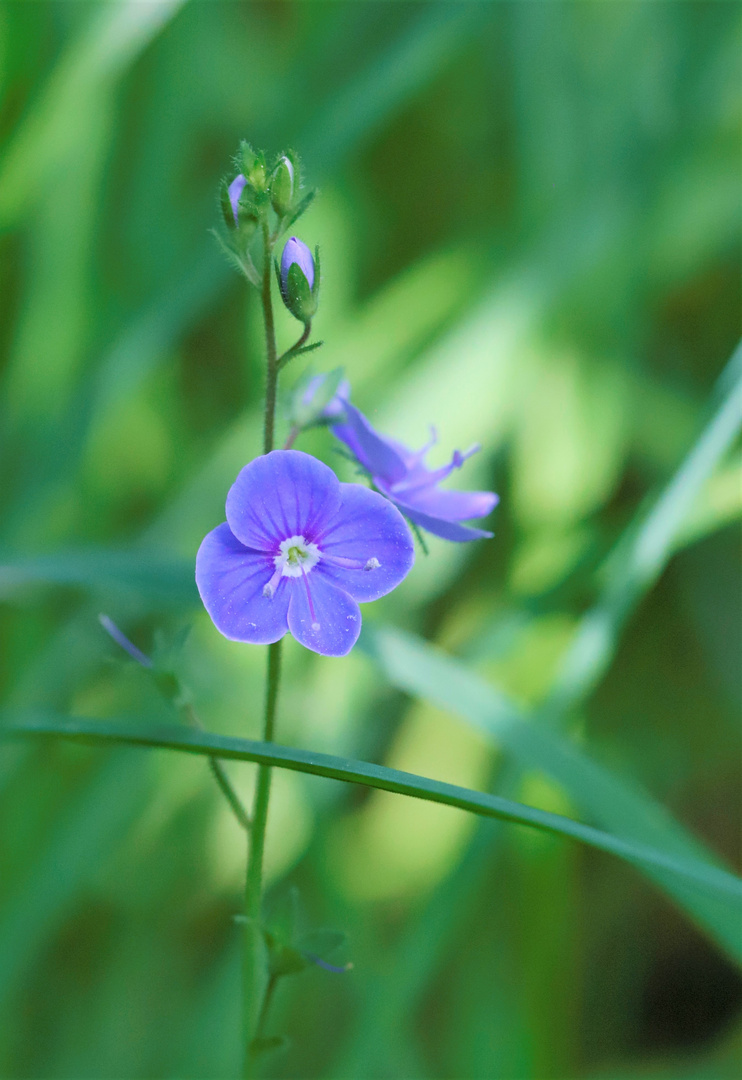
x,y
81,729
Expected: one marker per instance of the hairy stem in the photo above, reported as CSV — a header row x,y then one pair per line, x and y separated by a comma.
x,y
285,357
271,378
256,984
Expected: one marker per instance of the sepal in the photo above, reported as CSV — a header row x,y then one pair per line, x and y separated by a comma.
x,y
298,297
252,166
316,400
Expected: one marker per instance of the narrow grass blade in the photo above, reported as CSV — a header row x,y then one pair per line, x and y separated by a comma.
x,y
703,877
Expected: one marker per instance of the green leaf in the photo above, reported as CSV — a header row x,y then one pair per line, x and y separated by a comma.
x,y
724,887
322,942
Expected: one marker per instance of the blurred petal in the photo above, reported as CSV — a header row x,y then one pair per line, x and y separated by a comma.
x,y
449,505
373,451
448,530
281,494
367,526
230,579
335,615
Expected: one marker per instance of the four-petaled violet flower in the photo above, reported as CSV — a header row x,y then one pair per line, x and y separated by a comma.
x,y
297,552
401,475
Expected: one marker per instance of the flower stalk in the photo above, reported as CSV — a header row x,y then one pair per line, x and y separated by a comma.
x,y
255,971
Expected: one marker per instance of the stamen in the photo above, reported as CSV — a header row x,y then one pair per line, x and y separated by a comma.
x,y
351,564
272,585
459,458
436,475
418,456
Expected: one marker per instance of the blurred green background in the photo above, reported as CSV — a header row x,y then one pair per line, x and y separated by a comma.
x,y
529,219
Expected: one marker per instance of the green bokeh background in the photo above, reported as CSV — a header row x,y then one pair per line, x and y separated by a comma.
x,y
529,219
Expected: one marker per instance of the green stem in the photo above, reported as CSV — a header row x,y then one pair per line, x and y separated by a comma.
x,y
271,380
256,984
293,434
285,357
219,772
263,1018
225,786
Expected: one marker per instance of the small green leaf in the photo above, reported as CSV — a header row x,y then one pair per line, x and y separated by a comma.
x,y
322,942
301,208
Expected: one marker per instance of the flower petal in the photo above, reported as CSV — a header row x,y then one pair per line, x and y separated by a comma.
x,y
367,526
230,579
373,451
335,614
449,505
281,494
448,530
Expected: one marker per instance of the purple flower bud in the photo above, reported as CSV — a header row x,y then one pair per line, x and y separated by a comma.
x,y
235,190
296,251
335,968
121,639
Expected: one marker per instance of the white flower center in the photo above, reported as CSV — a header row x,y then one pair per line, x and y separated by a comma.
x,y
296,557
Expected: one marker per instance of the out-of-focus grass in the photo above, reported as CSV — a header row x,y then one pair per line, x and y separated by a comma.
x,y
529,217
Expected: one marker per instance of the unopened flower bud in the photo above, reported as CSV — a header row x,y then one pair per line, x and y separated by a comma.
x,y
234,191
253,167
282,187
299,280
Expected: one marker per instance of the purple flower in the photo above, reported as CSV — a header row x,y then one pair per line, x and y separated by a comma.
x,y
401,475
298,550
296,251
235,190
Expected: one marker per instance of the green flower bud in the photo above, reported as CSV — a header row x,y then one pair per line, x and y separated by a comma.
x,y
252,166
282,187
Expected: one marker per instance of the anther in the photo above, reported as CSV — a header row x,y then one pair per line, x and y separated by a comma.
x,y
372,564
